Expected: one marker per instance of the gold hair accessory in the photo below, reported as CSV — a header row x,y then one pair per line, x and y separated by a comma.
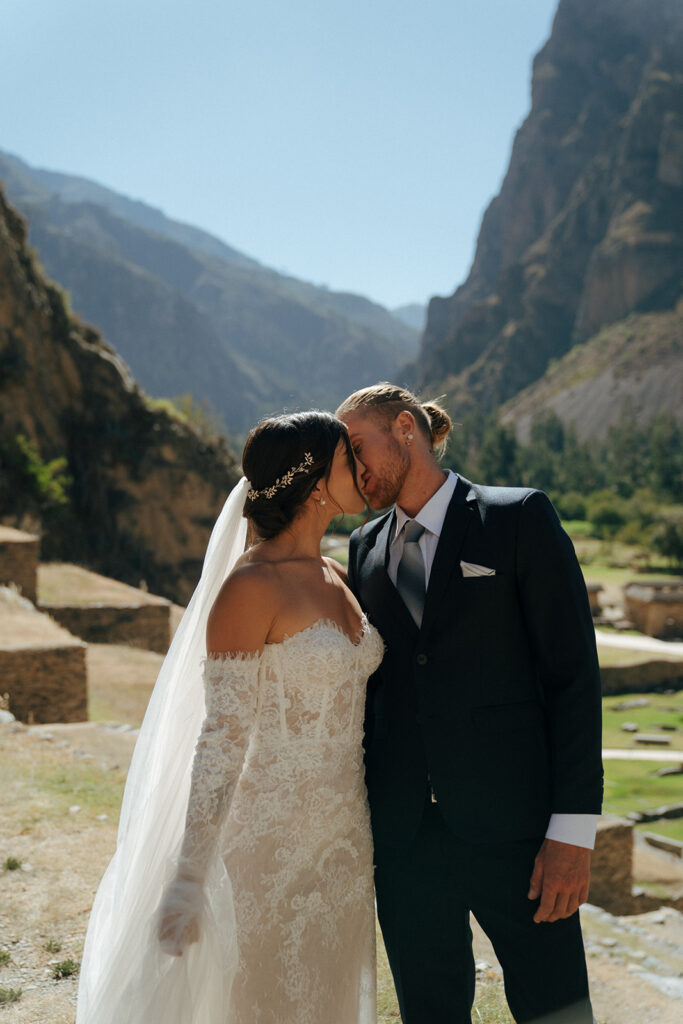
x,y
282,481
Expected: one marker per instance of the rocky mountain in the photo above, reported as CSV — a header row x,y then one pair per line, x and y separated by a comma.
x,y
144,489
189,313
636,363
587,229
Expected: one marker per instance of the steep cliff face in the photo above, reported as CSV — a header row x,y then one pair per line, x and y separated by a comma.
x,y
146,489
588,226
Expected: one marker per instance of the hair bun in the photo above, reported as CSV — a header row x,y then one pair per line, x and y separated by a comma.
x,y
440,422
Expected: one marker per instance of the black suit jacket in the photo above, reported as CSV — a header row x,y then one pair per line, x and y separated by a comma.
x,y
496,699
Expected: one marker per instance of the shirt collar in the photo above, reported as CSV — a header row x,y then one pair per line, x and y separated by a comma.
x,y
433,513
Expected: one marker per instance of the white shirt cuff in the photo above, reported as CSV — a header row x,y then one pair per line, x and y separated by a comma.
x,y
575,829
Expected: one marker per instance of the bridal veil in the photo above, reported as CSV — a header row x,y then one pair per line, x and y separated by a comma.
x,y
125,975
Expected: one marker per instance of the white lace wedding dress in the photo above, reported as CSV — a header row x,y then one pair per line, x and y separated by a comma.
x,y
278,784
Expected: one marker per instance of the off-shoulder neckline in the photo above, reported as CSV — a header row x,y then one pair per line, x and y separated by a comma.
x,y
318,624
330,624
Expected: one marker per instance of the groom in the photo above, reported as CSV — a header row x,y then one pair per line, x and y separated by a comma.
x,y
482,743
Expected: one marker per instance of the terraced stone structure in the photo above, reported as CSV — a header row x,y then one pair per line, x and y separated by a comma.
x,y
42,666
102,610
656,607
19,560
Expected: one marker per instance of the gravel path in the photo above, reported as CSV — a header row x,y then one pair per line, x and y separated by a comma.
x,y
635,963
639,643
646,754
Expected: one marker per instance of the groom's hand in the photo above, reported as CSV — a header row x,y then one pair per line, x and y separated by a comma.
x,y
561,877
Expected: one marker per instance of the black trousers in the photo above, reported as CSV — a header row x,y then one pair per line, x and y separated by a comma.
x,y
424,895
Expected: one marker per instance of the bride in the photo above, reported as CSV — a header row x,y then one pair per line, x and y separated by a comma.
x,y
241,890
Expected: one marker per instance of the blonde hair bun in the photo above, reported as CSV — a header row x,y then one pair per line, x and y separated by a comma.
x,y
440,422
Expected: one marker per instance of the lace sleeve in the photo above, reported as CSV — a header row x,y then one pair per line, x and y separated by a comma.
x,y
231,688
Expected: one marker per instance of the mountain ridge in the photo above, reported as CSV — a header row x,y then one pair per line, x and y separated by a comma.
x,y
287,343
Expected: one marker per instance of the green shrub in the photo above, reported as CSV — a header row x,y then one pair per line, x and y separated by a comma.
x,y
44,482
12,864
9,995
31,489
607,512
201,415
633,533
53,946
64,969
4,957
571,505
667,539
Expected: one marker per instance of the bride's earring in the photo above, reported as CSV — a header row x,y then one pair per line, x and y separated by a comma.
x,y
323,502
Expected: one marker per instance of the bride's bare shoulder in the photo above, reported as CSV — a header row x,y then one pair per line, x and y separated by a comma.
x,y
243,612
336,568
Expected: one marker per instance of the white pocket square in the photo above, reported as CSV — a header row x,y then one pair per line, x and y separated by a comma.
x,y
472,569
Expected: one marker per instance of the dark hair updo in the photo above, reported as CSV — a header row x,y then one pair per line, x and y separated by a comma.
x,y
276,446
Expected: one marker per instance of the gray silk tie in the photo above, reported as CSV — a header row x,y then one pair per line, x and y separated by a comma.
x,y
410,578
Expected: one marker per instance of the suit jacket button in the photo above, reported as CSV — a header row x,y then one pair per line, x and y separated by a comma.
x,y
421,659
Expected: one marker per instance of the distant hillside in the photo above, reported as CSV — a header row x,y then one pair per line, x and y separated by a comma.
x,y
188,313
635,363
414,314
588,226
141,489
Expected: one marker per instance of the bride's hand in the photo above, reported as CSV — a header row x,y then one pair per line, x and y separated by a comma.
x,y
179,913
177,930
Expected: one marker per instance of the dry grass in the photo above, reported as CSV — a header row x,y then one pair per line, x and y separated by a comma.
x,y
63,854
120,681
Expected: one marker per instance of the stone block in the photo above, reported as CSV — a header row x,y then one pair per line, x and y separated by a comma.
x,y
103,610
42,667
612,866
144,626
656,607
594,591
641,677
19,560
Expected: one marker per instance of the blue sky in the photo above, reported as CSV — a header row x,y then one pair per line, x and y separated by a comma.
x,y
352,144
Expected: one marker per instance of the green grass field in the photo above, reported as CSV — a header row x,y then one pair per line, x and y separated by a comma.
x,y
661,710
632,786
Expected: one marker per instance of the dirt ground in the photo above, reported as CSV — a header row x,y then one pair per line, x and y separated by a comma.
x,y
61,786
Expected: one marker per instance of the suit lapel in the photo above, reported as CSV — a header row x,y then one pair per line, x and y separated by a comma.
x,y
378,593
460,515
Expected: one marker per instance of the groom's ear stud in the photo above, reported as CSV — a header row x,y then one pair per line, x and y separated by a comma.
x,y
409,438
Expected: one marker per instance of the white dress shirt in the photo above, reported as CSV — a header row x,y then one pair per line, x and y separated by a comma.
x,y
575,829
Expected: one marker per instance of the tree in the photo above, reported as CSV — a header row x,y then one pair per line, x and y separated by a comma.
x,y
665,445
667,539
497,461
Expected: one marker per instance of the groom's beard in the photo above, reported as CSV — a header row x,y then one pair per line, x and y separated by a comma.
x,y
387,483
